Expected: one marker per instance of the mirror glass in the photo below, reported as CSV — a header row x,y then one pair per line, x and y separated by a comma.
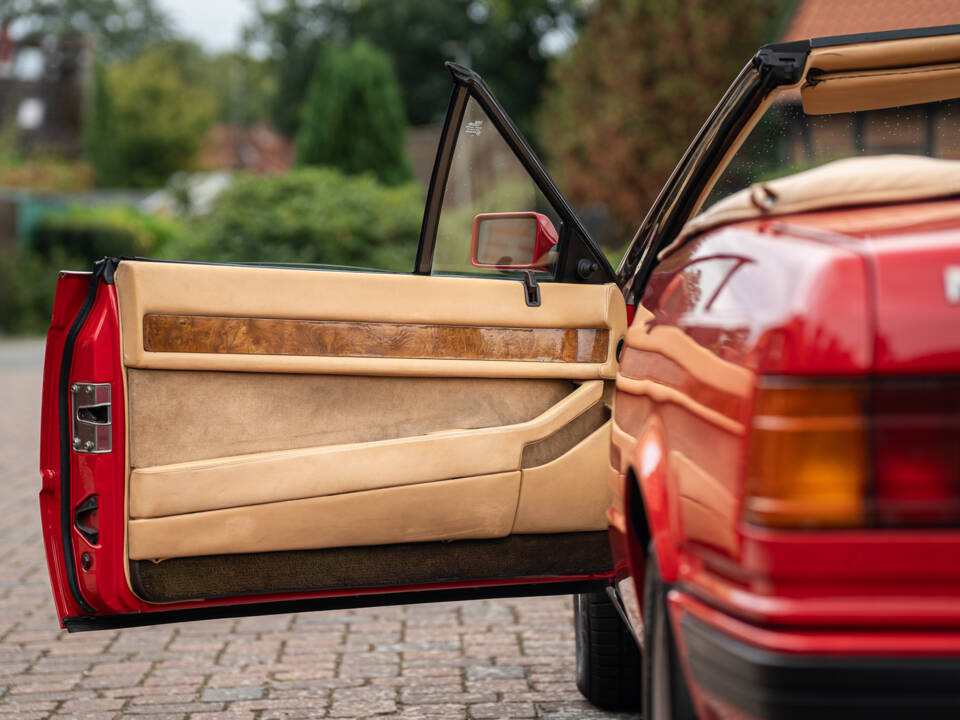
x,y
506,241
487,178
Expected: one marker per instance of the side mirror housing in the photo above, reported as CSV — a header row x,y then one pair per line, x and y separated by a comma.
x,y
512,241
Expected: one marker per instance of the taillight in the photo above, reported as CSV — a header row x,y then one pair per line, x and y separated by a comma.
x,y
847,454
916,467
807,461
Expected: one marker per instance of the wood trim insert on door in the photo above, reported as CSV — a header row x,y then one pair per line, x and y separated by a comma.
x,y
327,338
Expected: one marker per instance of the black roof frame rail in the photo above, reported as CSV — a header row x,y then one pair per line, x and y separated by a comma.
x,y
580,259
774,64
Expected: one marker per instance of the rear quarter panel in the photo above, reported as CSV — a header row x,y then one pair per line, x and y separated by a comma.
x,y
725,308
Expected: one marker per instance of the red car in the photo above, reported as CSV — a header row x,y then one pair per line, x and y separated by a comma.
x,y
739,450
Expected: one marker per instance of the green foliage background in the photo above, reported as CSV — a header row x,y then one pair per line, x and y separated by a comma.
x,y
501,39
353,117
147,120
641,80
342,78
123,28
311,215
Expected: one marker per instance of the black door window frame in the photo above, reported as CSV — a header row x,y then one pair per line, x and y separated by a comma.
x,y
580,260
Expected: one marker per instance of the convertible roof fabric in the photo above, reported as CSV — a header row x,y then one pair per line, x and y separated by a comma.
x,y
871,180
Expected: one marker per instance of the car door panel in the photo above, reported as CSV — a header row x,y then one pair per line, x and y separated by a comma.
x,y
283,436
354,432
198,415
476,507
192,508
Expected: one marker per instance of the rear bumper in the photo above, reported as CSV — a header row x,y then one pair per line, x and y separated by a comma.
x,y
733,677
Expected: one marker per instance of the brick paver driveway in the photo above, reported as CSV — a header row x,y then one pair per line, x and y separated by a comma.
x,y
455,660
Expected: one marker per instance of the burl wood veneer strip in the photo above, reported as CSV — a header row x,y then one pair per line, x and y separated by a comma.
x,y
265,336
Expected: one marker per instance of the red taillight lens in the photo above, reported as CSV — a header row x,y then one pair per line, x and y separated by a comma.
x,y
916,451
855,454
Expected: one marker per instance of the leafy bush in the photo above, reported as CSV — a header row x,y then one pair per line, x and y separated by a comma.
x,y
146,121
91,232
71,240
312,215
47,174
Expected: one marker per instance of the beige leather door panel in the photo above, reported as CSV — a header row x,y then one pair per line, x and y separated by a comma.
x,y
284,410
313,472
466,508
278,320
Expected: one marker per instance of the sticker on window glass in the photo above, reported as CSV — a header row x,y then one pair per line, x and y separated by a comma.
x,y
474,127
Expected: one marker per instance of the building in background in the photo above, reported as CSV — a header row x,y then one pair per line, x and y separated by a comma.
x,y
928,130
259,149
43,85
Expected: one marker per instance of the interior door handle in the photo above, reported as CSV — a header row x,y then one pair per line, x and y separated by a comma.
x,y
81,516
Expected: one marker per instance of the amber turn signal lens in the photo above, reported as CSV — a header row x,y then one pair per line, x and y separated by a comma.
x,y
807,461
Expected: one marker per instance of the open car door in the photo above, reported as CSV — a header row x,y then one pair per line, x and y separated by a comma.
x,y
224,440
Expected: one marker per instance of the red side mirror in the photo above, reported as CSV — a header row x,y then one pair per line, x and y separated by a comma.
x,y
512,241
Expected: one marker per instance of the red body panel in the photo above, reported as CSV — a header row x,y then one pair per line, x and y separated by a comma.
x,y
96,359
71,289
916,326
797,298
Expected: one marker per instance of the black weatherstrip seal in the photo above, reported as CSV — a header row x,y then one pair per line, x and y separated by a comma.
x,y
884,35
438,180
103,271
541,589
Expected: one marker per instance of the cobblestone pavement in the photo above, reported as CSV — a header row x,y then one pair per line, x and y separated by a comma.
x,y
502,659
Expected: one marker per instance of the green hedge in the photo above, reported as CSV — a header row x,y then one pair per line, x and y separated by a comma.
x,y
70,240
92,232
27,283
311,215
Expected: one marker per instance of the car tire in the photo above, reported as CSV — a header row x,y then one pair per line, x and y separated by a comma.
x,y
608,659
665,692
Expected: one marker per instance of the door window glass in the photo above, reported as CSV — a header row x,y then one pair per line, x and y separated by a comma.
x,y
487,179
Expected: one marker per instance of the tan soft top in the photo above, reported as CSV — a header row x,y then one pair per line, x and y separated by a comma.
x,y
868,180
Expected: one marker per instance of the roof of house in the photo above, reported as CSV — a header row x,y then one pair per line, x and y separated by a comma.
x,y
258,148
819,18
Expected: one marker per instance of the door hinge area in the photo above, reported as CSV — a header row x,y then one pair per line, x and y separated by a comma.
x,y
92,422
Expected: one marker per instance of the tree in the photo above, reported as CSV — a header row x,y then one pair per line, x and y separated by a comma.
x,y
635,89
353,118
240,85
99,131
157,118
123,28
292,36
505,40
